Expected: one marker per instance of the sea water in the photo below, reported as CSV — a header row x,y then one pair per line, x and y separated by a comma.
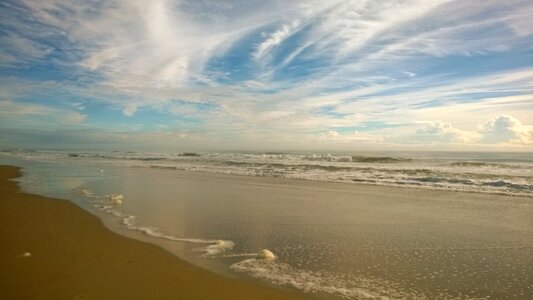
x,y
319,235
485,172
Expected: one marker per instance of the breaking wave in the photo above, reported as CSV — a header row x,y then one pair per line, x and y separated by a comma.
x,y
504,174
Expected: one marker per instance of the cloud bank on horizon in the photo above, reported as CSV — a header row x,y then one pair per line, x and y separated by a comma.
x,y
260,75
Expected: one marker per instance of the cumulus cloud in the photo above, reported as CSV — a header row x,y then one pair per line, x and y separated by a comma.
x,y
440,132
506,129
503,129
331,134
437,132
351,137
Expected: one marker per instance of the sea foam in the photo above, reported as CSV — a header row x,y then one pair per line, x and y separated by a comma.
x,y
266,255
116,199
493,174
218,247
213,247
266,267
311,282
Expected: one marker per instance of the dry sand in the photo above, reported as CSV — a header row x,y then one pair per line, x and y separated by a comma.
x,y
71,255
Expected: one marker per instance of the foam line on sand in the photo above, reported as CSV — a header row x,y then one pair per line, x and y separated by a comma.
x,y
52,249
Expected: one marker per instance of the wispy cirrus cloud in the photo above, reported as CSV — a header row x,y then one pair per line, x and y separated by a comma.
x,y
286,71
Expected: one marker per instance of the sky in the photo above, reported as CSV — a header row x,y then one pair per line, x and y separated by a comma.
x,y
267,75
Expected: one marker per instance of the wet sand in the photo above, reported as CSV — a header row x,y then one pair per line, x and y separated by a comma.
x,y
73,256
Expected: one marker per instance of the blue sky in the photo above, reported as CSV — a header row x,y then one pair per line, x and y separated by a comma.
x,y
264,75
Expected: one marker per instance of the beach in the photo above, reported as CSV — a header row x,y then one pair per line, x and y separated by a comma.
x,y
210,235
327,150
52,249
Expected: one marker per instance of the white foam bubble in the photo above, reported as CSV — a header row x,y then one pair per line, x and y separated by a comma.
x,y
129,221
116,199
272,270
88,193
218,247
266,254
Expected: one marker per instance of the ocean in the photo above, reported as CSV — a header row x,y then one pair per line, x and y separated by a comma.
x,y
425,225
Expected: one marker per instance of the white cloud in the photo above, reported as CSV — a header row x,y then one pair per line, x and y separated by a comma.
x,y
130,109
506,129
17,49
360,62
440,132
135,44
354,24
19,113
355,138
422,97
503,129
74,118
331,134
373,42
275,39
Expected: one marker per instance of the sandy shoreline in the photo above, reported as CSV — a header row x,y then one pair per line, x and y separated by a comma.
x,y
73,256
